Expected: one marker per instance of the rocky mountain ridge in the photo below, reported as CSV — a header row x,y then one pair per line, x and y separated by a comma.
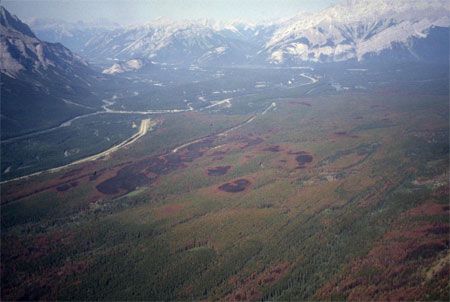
x,y
351,30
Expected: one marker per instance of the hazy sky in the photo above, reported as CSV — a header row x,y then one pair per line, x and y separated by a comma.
x,y
141,11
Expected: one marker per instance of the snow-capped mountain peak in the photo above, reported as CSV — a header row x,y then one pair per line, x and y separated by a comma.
x,y
126,66
354,29
350,30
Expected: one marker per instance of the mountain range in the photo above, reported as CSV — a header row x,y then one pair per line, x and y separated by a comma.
x,y
43,83
358,30
352,30
71,35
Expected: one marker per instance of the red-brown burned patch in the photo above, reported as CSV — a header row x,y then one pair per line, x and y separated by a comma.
x,y
71,173
274,274
341,133
249,289
236,186
146,171
113,180
426,250
218,171
297,153
429,208
95,175
275,148
399,266
249,142
302,158
171,210
29,251
63,188
390,270
300,103
22,189
66,187
344,134
51,280
439,230
442,190
218,153
296,160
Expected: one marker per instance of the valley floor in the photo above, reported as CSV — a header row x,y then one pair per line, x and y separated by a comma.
x,y
281,194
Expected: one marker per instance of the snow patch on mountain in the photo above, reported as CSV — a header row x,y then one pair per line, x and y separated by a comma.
x,y
126,66
353,29
350,30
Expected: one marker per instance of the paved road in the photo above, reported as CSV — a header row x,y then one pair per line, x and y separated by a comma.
x,y
145,125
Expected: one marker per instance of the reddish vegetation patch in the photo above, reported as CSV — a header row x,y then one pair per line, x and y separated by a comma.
x,y
66,186
402,265
72,173
29,251
427,209
303,158
442,191
249,142
21,190
236,186
94,176
219,155
249,289
439,230
218,171
300,103
297,153
129,175
427,250
146,171
216,153
273,149
193,245
344,134
271,276
171,209
63,188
